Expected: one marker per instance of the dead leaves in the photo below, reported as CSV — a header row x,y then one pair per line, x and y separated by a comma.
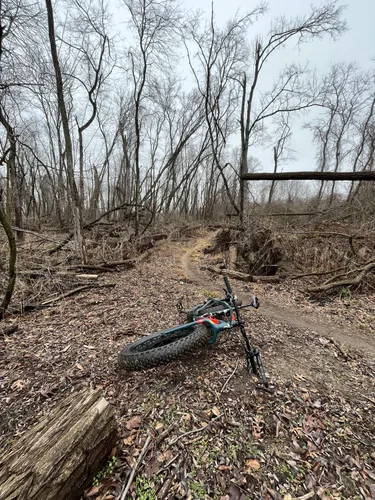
x,y
165,456
258,427
19,385
134,423
252,465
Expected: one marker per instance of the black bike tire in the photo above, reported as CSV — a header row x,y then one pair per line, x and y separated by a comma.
x,y
131,359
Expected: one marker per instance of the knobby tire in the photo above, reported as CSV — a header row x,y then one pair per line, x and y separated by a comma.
x,y
159,348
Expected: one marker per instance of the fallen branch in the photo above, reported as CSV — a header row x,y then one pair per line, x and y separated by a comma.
x,y
322,273
137,464
74,292
37,235
194,431
105,267
128,264
92,223
165,434
345,282
327,234
242,276
91,267
343,353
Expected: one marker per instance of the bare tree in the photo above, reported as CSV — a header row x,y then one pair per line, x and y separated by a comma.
x,y
280,149
221,55
292,93
153,23
341,129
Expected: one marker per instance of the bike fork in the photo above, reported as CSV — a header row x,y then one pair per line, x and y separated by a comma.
x,y
253,360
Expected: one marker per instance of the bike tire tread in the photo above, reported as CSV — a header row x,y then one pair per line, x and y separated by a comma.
x,y
133,360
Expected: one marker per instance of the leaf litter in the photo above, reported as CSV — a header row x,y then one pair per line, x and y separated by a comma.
x,y
214,435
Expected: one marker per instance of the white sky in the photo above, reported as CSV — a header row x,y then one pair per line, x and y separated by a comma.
x,y
358,44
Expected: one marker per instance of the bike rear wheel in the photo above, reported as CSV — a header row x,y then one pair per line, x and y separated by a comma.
x,y
161,347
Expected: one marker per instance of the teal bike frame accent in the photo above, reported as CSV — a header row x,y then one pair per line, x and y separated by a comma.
x,y
216,326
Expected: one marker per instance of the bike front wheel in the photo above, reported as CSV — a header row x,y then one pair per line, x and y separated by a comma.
x,y
162,347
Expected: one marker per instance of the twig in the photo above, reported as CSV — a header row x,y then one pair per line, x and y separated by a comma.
x,y
165,467
164,434
195,431
230,376
165,489
137,464
360,440
369,399
347,356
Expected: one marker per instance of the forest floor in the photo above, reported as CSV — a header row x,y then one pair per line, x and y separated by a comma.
x,y
223,438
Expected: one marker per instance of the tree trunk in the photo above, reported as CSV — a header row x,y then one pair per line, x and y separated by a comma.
x,y
272,189
78,219
13,196
12,263
57,459
233,257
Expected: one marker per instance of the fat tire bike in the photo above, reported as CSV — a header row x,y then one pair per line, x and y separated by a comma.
x,y
203,325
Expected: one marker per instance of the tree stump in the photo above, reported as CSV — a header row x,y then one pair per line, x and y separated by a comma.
x,y
232,257
57,458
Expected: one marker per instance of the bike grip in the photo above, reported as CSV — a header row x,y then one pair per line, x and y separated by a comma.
x,y
227,284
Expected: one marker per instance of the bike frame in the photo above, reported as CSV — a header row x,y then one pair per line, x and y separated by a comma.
x,y
232,309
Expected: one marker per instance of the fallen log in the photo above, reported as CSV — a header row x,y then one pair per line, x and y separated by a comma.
x,y
367,175
346,281
242,276
105,267
128,264
57,459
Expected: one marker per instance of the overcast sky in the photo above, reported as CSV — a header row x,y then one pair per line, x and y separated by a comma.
x,y
358,44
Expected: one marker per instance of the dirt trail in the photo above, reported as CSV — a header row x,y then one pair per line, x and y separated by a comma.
x,y
352,338
294,341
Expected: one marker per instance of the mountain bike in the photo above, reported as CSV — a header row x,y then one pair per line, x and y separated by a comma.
x,y
203,325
